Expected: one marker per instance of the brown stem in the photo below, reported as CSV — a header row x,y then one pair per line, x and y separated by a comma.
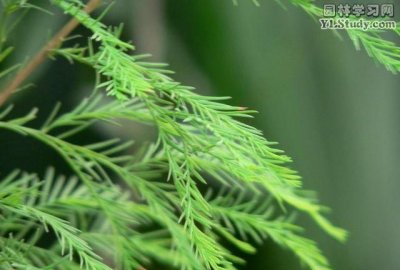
x,y
56,41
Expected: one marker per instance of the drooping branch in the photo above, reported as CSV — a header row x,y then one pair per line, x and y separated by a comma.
x,y
38,59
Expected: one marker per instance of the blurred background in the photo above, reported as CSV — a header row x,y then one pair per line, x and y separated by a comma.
x,y
329,106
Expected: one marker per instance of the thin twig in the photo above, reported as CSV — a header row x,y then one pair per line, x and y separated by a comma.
x,y
56,41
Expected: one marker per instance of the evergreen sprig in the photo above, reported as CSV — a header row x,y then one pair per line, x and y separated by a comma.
x,y
124,211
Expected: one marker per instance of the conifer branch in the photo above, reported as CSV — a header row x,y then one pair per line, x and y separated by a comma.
x,y
179,114
107,209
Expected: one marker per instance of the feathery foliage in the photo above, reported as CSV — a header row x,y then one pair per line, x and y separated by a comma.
x,y
160,205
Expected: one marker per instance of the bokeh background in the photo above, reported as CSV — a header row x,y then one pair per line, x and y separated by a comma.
x,y
330,107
